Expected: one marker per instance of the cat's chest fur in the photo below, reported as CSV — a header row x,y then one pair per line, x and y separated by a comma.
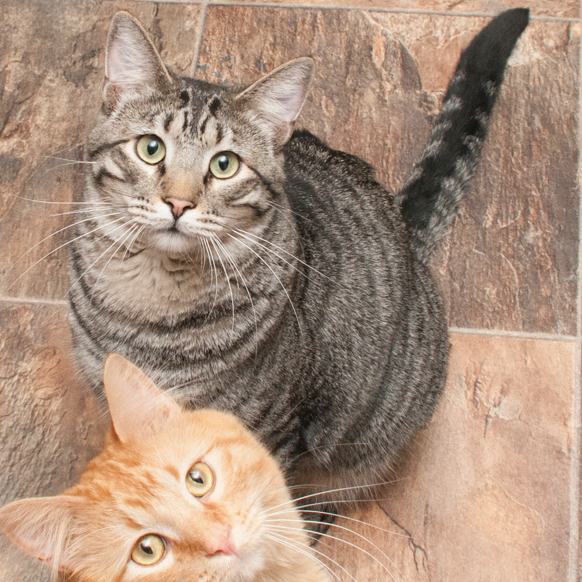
x,y
168,287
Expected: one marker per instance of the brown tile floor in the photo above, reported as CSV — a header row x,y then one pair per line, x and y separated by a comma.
x,y
490,490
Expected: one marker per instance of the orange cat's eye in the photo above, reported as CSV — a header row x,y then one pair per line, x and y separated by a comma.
x,y
148,550
200,479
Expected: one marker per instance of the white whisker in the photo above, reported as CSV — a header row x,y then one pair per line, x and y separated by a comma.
x,y
61,230
237,270
138,233
348,529
326,535
289,543
282,209
289,220
341,516
69,160
122,225
273,253
319,447
59,166
60,247
272,271
48,201
227,280
246,234
319,493
213,271
99,206
126,237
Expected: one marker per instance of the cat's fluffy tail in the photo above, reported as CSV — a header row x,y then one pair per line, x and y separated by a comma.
x,y
430,199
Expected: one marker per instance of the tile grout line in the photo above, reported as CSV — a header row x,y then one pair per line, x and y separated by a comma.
x,y
502,333
207,3
498,333
33,301
574,538
199,36
380,9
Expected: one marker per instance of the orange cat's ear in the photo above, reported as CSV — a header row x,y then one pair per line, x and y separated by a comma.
x,y
40,527
136,404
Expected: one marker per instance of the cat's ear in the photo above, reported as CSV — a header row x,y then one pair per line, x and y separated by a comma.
x,y
136,404
278,97
40,527
132,64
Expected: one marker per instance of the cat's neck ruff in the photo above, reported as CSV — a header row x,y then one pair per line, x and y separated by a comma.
x,y
128,275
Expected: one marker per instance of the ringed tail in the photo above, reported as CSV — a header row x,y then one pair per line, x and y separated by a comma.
x,y
431,197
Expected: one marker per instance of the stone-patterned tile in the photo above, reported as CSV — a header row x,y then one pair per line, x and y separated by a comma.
x,y
552,8
51,67
511,259
50,427
483,493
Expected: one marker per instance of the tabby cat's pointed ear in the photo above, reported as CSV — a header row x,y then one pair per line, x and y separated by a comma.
x,y
40,526
279,97
136,404
132,64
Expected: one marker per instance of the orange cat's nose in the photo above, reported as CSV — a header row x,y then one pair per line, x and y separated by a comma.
x,y
222,544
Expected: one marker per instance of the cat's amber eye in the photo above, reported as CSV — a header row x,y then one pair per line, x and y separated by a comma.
x,y
151,149
224,165
200,479
148,550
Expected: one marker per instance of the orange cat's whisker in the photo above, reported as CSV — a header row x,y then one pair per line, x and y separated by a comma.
x,y
382,529
290,544
348,529
353,488
310,450
284,528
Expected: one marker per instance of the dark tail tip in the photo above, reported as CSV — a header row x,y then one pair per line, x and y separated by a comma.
x,y
490,49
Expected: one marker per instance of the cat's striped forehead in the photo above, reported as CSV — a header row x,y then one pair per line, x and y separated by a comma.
x,y
195,107
126,479
183,112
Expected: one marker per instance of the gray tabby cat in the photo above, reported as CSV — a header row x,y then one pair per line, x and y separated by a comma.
x,y
253,269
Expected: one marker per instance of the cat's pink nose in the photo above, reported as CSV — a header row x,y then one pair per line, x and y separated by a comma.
x,y
178,206
222,544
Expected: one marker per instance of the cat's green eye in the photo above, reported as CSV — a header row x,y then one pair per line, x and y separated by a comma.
x,y
224,165
151,149
148,550
200,479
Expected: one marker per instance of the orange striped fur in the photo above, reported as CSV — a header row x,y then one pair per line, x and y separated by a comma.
x,y
137,486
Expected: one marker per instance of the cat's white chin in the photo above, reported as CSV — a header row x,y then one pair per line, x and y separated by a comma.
x,y
174,242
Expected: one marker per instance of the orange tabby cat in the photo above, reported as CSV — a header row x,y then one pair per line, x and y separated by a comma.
x,y
176,496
